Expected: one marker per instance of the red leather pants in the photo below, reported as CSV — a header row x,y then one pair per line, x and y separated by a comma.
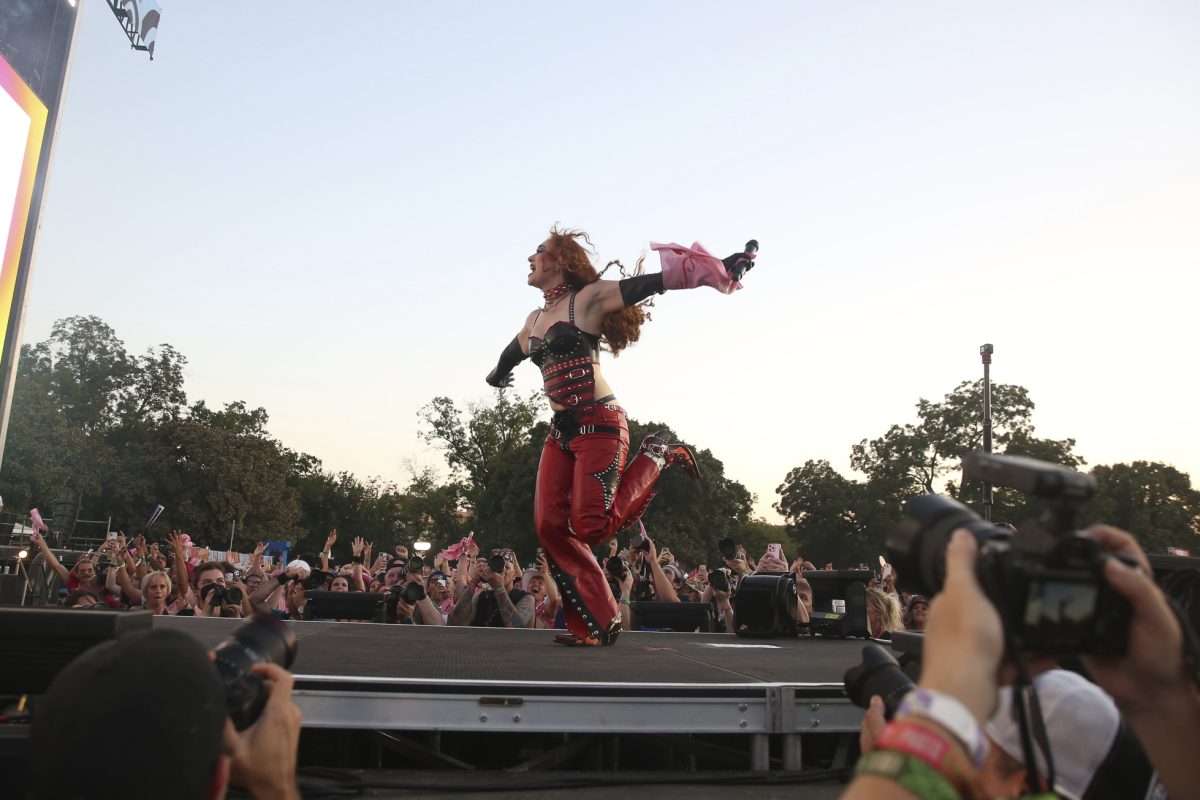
x,y
585,494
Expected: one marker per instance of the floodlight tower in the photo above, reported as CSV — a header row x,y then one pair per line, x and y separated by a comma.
x,y
985,352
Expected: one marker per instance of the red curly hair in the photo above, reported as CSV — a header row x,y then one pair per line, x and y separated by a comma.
x,y
618,328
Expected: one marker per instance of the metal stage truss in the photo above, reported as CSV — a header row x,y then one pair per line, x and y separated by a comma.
x,y
762,694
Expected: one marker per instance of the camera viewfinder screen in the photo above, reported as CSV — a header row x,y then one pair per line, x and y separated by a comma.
x,y
1060,605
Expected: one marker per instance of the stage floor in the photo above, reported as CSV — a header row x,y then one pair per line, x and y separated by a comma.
x,y
404,677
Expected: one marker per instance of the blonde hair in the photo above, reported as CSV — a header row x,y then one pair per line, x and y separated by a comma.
x,y
146,579
887,607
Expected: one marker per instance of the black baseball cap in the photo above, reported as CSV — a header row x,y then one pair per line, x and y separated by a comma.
x,y
157,691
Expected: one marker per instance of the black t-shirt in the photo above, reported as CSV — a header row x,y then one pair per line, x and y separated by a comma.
x,y
487,612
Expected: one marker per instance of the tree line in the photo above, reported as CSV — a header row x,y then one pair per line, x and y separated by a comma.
x,y
833,517
116,431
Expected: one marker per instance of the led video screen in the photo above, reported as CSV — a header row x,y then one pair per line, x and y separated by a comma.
x,y
22,128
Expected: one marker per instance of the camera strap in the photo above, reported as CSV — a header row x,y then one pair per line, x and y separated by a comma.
x,y
1032,727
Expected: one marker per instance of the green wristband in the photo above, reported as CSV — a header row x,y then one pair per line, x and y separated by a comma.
x,y
912,774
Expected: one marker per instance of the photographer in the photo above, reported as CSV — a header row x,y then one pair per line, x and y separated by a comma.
x,y
500,605
212,596
1153,685
273,597
161,689
718,593
541,586
409,601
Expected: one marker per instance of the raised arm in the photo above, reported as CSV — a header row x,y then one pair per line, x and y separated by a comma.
x,y
682,268
552,599
257,558
463,612
128,588
63,573
329,541
663,588
182,581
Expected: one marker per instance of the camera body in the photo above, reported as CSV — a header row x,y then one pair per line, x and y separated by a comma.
x,y
616,567
1046,581
221,595
262,639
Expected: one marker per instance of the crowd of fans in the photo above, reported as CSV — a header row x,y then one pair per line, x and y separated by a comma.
x,y
458,587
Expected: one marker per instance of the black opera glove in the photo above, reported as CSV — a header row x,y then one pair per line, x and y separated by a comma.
x,y
501,376
636,289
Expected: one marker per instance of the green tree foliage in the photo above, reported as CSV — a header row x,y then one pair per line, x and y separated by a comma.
x,y
847,521
1155,502
495,450
92,421
690,517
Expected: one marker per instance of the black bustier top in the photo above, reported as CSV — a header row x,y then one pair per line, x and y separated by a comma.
x,y
566,356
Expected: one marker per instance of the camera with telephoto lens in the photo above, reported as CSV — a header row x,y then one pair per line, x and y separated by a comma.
x,y
415,564
263,640
718,579
616,567
412,593
878,674
496,563
728,549
221,595
1046,581
315,580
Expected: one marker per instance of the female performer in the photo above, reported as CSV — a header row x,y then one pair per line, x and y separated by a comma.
x,y
585,493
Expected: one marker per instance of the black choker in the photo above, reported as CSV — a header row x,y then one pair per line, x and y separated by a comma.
x,y
555,292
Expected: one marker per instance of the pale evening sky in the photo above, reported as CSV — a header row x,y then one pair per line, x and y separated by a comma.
x,y
328,207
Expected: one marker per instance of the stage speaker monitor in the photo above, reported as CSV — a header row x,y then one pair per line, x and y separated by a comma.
x,y
660,615
764,606
40,642
321,605
848,585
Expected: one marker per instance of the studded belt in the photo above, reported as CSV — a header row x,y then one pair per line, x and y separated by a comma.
x,y
565,426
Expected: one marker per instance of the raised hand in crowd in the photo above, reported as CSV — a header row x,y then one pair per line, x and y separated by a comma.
x,y
664,588
738,565
401,551
613,546
256,558
51,560
549,607
356,547
623,602
772,563
182,579
295,599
